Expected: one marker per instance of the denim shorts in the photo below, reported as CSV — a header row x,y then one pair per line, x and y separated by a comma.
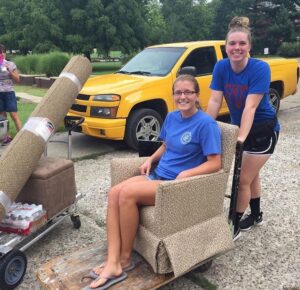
x,y
8,102
154,176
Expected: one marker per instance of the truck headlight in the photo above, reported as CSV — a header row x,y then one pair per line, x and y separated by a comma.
x,y
106,98
107,112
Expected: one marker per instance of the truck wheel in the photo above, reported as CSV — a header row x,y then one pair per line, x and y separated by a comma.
x,y
12,269
274,99
142,124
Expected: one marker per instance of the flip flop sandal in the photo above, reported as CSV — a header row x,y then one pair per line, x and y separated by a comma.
x,y
93,275
129,267
110,281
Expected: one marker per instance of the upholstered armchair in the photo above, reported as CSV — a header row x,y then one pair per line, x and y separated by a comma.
x,y
187,225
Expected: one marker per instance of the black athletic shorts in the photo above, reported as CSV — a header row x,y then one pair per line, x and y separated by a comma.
x,y
262,138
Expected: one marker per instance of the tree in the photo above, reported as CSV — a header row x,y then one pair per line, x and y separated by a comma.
x,y
271,21
186,20
157,25
14,16
128,28
85,25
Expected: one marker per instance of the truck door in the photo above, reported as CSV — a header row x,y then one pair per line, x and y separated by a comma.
x,y
203,59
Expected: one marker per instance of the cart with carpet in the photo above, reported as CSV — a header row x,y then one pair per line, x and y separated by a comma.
x,y
48,197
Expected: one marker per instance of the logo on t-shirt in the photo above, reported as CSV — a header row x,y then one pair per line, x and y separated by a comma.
x,y
186,137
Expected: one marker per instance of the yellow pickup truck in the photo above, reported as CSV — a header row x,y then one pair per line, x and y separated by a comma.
x,y
132,103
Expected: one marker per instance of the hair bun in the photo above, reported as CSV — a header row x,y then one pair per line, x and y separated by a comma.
x,y
239,21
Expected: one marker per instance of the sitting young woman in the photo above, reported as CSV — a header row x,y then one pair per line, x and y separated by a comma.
x,y
191,146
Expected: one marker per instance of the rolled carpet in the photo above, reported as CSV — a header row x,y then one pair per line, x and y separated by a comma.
x,y
22,155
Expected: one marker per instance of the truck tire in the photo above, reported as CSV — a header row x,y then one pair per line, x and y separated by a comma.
x,y
142,124
274,99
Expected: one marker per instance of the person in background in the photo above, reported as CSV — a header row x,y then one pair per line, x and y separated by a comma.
x,y
244,82
8,100
191,146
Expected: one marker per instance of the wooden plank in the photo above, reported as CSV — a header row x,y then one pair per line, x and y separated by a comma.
x,y
65,273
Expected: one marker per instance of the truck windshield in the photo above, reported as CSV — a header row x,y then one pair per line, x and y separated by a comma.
x,y
156,61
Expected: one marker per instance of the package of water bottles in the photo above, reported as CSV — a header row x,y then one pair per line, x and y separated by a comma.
x,y
23,218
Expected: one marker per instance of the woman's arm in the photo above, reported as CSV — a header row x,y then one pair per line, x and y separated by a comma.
x,y
14,74
155,157
213,164
214,103
251,104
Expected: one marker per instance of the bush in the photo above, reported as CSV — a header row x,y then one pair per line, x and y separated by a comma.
x,y
289,49
27,64
106,66
50,64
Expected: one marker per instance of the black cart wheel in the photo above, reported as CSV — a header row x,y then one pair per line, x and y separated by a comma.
x,y
12,269
204,267
76,221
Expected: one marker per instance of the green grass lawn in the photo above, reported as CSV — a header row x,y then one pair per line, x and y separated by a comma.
x,y
24,111
31,90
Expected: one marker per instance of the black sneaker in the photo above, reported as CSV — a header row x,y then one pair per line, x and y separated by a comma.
x,y
249,221
237,234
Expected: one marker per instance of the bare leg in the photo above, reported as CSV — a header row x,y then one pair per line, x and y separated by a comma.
x,y
114,227
130,197
16,119
251,165
255,187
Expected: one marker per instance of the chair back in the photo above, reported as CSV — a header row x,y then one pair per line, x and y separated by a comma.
x,y
229,138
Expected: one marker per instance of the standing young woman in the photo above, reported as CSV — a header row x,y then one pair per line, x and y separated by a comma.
x,y
244,82
191,146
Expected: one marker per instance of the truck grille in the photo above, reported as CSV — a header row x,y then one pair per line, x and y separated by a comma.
x,y
83,97
78,108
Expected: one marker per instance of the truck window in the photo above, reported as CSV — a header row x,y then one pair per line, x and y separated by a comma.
x,y
157,61
203,59
224,54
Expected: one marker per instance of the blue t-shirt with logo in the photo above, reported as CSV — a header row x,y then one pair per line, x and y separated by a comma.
x,y
188,142
254,79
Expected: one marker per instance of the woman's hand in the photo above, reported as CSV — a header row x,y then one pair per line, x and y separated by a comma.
x,y
183,174
146,167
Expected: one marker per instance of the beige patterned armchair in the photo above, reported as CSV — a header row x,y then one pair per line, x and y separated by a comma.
x,y
187,225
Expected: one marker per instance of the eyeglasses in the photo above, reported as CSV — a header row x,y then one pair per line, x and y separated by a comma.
x,y
186,93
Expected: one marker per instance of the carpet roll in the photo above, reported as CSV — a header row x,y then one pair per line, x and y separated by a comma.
x,y
21,157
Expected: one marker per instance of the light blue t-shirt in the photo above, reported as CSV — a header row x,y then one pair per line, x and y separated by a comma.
x,y
254,79
188,142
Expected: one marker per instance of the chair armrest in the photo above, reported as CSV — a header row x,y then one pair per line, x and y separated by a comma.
x,y
124,168
183,203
